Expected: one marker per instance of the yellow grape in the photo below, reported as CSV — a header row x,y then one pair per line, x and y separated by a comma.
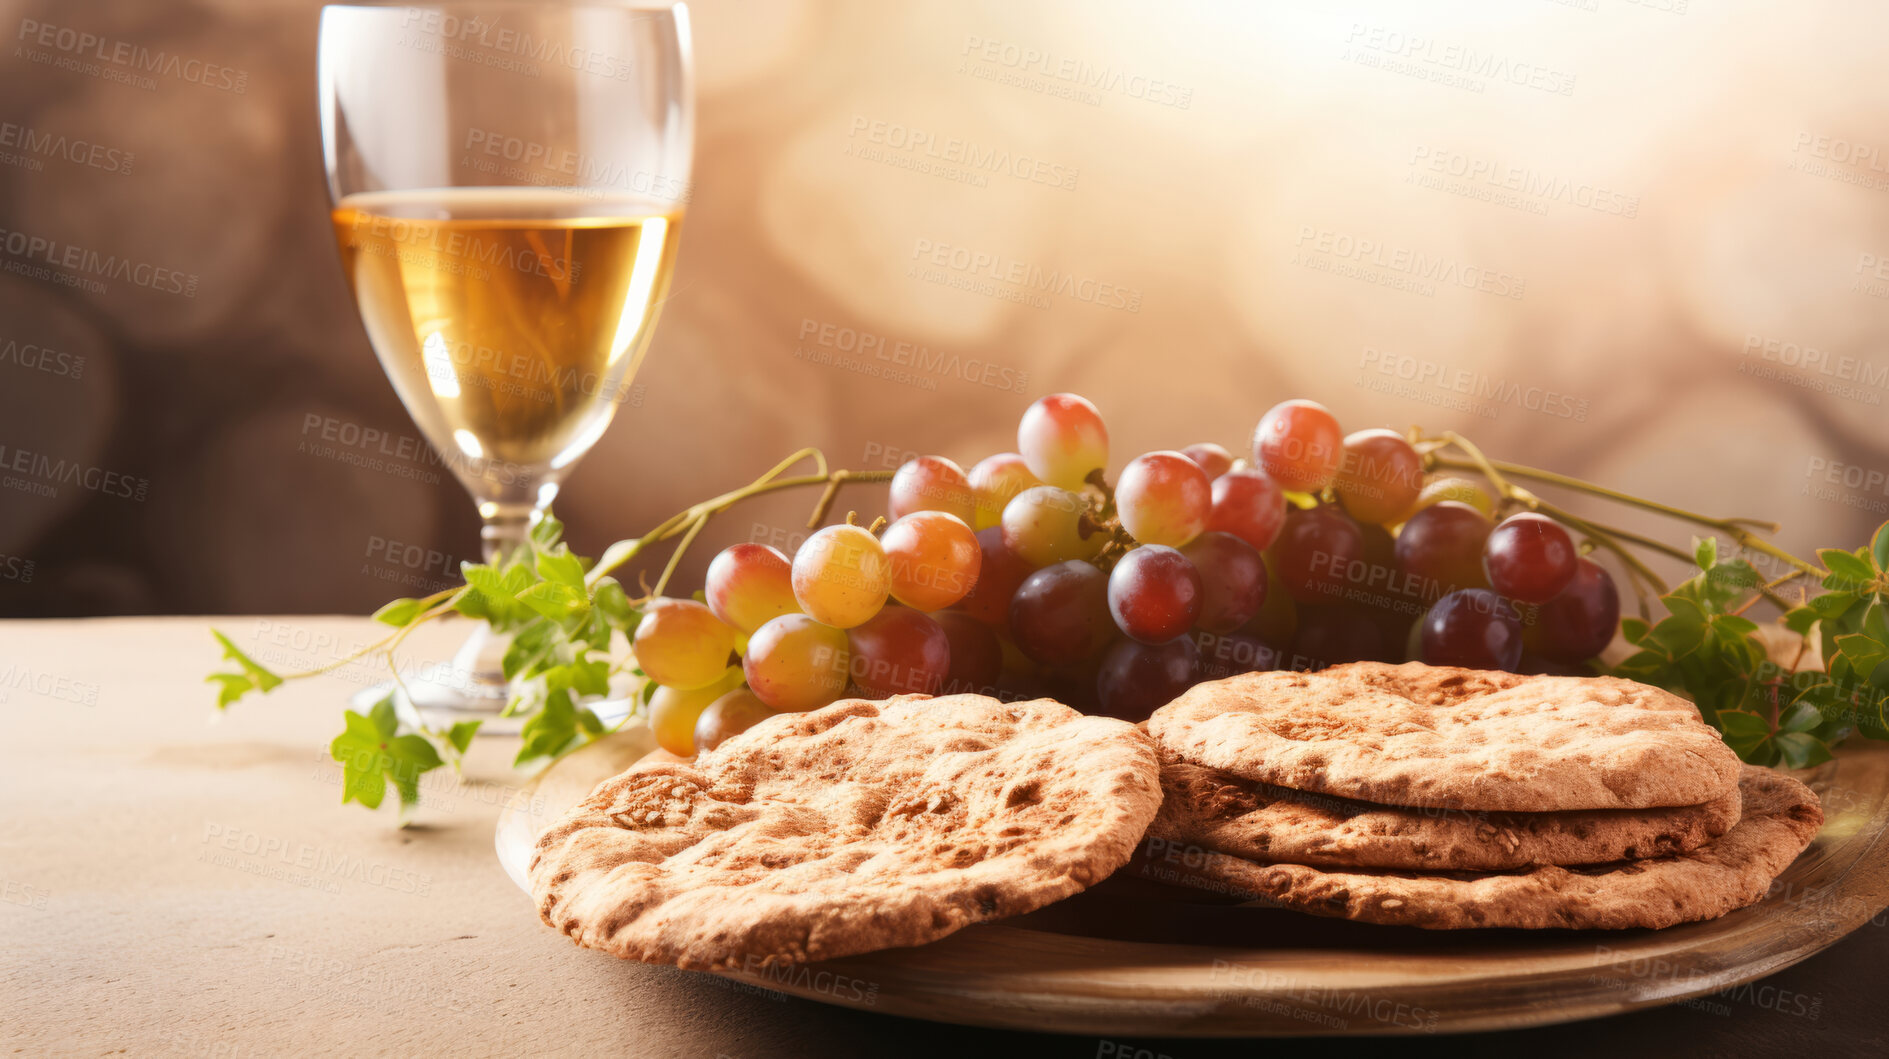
x,y
1461,490
994,481
1046,525
841,576
673,712
682,644
933,559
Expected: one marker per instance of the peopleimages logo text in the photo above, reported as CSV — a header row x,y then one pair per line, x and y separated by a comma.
x,y
494,37
81,44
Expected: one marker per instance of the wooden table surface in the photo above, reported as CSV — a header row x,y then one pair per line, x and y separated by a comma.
x,y
175,882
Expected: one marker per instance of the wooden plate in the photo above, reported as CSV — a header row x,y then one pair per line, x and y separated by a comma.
x,y
1134,957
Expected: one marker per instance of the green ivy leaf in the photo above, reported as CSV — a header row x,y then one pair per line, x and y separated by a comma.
x,y
1800,619
400,613
557,601
1847,572
560,566
546,533
1705,552
460,735
614,604
1879,547
493,594
1801,750
1744,732
1634,629
372,755
233,686
531,648
1801,717
555,730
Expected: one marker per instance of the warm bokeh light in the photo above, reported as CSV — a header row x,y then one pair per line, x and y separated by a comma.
x,y
1646,243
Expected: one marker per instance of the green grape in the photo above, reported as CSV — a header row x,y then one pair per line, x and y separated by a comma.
x,y
796,664
1047,525
673,712
681,643
841,576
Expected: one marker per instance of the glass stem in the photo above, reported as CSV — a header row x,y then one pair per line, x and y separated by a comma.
x,y
505,528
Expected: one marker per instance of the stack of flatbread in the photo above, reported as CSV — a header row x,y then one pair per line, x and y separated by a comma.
x,y
1450,798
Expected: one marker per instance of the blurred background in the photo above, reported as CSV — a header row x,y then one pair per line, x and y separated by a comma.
x,y
1646,243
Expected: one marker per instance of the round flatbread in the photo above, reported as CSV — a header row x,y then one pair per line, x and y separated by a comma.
x,y
1780,818
855,827
1441,737
1208,808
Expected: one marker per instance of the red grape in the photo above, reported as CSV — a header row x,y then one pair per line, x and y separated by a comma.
x,y
999,572
749,585
1248,505
994,481
1577,624
1380,478
1473,628
1062,439
1331,635
1137,678
1278,616
1154,593
1214,459
1529,557
930,483
729,716
1060,613
1316,552
1299,444
899,651
1224,654
1441,546
932,558
1232,580
976,654
1163,498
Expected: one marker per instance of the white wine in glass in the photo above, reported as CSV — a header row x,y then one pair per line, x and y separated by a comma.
x,y
507,182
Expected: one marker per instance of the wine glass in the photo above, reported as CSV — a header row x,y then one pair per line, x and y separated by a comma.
x,y
508,181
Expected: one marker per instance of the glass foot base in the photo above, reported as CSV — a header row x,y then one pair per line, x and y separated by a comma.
x,y
471,687
440,705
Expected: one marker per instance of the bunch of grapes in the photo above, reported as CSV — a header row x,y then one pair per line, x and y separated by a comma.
x,y
852,613
1029,575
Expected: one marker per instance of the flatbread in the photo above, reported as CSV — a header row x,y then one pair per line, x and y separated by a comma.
x,y
1442,737
1780,818
1204,807
858,826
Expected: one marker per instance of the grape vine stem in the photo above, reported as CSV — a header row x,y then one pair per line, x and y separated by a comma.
x,y
1743,531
